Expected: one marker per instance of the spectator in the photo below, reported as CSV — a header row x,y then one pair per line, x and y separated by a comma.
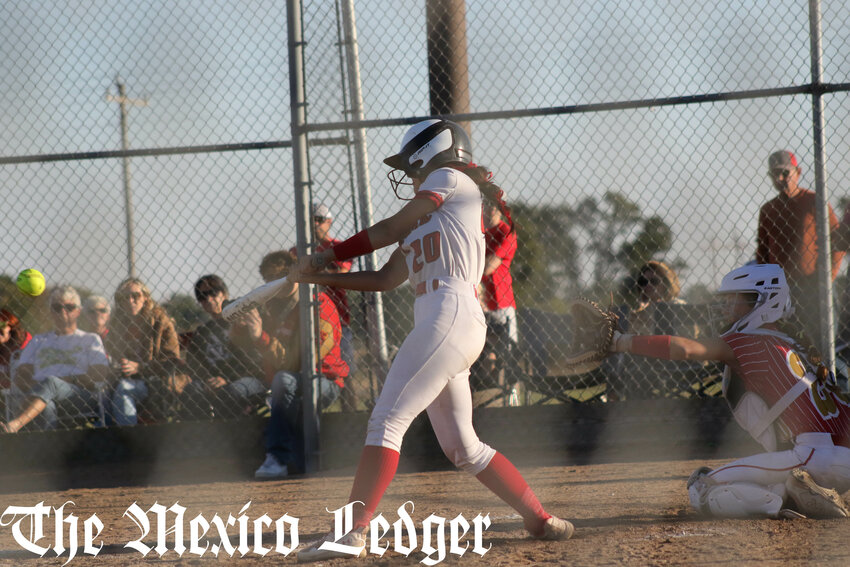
x,y
496,294
654,294
61,366
145,350
276,333
787,236
224,376
13,338
322,221
95,316
656,284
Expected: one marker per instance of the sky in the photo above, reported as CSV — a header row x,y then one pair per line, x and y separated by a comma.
x,y
217,73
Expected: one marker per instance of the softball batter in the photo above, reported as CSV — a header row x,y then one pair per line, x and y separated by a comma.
x,y
441,252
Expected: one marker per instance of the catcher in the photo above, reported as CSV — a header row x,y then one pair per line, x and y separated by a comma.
x,y
776,393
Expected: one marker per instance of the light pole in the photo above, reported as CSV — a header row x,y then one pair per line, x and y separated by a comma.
x,y
123,101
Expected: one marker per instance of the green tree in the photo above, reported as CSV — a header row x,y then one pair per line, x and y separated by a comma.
x,y
582,250
546,256
186,312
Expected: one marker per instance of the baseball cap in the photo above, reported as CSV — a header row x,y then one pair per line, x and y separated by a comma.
x,y
781,159
320,210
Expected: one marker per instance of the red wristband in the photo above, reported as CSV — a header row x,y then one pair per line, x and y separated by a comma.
x,y
357,245
656,346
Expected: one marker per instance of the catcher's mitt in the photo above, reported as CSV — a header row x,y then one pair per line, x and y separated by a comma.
x,y
592,333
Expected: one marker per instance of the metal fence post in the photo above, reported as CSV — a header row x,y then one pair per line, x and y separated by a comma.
x,y
824,264
375,306
301,179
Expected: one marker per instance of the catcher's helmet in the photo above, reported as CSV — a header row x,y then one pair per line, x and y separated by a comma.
x,y
426,146
768,282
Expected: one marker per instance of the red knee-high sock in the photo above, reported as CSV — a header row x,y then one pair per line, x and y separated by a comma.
x,y
502,477
374,473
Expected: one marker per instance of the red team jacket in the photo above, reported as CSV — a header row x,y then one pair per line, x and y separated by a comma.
x,y
499,286
337,294
280,342
769,366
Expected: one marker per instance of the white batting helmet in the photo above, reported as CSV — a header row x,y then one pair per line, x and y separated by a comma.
x,y
769,283
430,144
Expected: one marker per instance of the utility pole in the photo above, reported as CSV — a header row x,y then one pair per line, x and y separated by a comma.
x,y
448,67
123,101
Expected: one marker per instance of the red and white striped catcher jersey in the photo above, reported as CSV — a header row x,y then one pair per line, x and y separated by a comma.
x,y
769,366
450,241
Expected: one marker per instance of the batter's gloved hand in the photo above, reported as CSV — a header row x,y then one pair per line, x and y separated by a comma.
x,y
592,335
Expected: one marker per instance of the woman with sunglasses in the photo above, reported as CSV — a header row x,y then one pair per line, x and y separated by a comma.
x,y
13,338
143,347
652,307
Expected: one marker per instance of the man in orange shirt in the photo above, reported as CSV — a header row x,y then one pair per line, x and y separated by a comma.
x,y
787,236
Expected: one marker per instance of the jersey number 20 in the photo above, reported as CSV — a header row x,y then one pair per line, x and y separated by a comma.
x,y
426,248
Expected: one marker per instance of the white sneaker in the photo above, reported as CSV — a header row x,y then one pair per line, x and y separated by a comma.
x,y
813,500
271,468
555,529
354,539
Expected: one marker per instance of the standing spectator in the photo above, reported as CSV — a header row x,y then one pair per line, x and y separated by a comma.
x,y
224,375
95,316
276,333
145,349
13,338
322,221
654,291
497,296
787,236
61,366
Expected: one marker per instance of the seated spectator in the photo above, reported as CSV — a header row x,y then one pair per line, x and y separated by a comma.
x,y
13,338
61,366
654,294
225,377
145,351
275,333
95,315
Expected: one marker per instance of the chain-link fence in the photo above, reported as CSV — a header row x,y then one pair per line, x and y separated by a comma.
x,y
152,140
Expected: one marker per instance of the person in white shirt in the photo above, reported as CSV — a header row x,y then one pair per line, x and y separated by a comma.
x,y
61,366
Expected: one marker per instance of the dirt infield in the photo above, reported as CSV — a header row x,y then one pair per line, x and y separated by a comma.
x,y
625,514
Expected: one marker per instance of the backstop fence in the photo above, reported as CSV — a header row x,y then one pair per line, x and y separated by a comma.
x,y
156,141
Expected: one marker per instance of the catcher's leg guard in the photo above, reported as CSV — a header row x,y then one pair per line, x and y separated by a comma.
x,y
732,500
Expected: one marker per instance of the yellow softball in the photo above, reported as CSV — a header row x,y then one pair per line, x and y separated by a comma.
x,y
31,282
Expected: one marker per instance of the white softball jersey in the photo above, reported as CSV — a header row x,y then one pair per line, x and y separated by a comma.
x,y
448,243
445,260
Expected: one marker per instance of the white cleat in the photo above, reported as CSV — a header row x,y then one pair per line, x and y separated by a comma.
x,y
354,539
813,500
